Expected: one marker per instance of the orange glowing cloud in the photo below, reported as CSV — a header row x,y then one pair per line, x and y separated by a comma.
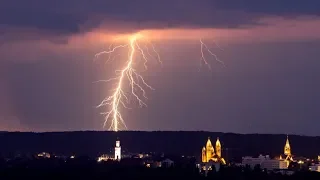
x,y
269,29
272,29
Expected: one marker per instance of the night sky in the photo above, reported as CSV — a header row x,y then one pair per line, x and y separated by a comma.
x,y
270,84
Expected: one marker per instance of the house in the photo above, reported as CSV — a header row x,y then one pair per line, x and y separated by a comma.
x,y
167,163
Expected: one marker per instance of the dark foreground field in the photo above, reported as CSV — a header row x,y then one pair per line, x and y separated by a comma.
x,y
44,170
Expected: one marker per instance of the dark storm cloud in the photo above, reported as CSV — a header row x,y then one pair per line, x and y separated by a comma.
x,y
271,7
40,19
65,17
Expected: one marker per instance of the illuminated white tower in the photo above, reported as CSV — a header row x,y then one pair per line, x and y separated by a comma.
x,y
117,151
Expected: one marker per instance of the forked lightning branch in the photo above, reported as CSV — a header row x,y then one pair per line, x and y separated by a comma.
x,y
120,98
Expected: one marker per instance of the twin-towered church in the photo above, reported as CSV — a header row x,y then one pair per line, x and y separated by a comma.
x,y
209,154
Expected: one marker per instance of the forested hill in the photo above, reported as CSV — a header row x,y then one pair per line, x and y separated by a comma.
x,y
93,143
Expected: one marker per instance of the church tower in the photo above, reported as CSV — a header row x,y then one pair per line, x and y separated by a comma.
x,y
218,148
287,149
204,155
210,150
117,151
287,152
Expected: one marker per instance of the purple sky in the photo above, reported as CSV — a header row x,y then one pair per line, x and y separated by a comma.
x,y
270,83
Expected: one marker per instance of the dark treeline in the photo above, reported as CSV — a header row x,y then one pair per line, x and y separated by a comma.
x,y
183,143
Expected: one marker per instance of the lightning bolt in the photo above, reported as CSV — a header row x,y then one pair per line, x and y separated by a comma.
x,y
120,98
203,48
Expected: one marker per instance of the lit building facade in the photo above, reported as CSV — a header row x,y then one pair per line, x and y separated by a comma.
x,y
117,151
315,167
104,157
44,155
265,162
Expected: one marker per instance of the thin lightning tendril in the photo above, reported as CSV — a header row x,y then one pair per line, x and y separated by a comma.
x,y
119,97
136,81
204,47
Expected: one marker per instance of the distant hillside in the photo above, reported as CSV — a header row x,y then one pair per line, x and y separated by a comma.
x,y
93,143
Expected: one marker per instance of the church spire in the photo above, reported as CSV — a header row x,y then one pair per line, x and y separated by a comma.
x,y
287,148
218,148
204,155
209,144
209,150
